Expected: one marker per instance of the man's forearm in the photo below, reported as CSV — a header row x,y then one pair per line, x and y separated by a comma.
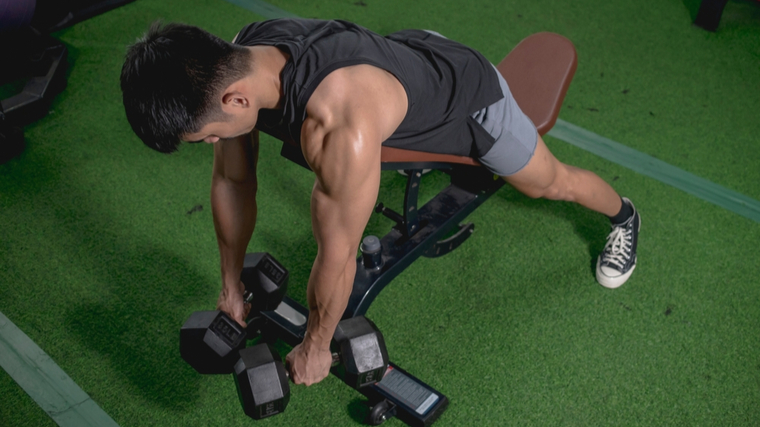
x,y
330,285
234,210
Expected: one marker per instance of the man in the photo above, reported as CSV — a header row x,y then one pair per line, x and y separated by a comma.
x,y
341,92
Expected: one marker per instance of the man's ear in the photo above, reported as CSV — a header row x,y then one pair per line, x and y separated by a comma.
x,y
234,99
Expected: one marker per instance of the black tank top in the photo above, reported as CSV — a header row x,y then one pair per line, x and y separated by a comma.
x,y
445,81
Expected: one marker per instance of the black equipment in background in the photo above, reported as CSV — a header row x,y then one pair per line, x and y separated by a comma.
x,y
33,62
11,139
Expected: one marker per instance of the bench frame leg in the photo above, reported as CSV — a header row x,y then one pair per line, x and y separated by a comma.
x,y
435,221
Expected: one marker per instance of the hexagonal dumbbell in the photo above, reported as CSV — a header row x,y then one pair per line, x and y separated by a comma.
x,y
261,381
210,340
361,347
359,359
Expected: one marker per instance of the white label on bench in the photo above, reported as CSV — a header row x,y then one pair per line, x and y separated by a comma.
x,y
427,404
407,391
290,314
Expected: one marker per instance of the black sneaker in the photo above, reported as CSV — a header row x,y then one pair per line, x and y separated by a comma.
x,y
617,261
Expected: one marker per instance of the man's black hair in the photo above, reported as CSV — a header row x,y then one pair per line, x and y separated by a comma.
x,y
172,80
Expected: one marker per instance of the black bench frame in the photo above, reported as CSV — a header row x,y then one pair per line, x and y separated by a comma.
x,y
418,231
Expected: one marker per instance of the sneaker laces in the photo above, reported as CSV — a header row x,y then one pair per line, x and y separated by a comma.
x,y
617,251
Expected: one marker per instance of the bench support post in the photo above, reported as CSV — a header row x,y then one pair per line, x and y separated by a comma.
x,y
438,219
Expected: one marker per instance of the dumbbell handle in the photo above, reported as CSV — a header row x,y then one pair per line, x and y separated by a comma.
x,y
247,296
335,362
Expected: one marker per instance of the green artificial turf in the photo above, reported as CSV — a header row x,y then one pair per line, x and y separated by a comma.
x,y
107,247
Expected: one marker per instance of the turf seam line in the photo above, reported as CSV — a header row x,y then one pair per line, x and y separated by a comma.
x,y
654,168
45,382
263,8
607,149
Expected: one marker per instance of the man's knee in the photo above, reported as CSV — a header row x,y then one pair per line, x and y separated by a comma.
x,y
554,187
554,191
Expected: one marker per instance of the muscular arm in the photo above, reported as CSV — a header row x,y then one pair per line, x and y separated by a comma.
x,y
233,203
341,204
349,116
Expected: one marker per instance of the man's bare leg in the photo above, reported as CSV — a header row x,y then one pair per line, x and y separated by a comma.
x,y
546,177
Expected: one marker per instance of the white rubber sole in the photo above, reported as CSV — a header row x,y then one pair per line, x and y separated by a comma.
x,y
611,282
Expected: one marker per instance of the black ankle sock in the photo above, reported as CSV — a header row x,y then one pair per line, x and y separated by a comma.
x,y
626,211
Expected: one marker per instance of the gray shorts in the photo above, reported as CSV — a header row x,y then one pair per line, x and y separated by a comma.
x,y
515,134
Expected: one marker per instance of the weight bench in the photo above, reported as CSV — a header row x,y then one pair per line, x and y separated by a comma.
x,y
538,70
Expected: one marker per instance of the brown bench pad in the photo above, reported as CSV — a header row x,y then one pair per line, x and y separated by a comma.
x,y
538,71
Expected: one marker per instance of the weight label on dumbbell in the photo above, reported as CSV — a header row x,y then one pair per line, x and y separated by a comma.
x,y
269,409
225,331
408,391
271,270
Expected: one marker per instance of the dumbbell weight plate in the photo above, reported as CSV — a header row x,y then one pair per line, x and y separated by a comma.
x,y
266,279
262,382
209,341
364,358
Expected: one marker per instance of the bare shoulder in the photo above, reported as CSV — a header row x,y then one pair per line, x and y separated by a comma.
x,y
362,101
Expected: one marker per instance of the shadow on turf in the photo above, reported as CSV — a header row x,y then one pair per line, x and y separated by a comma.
x,y
136,329
145,293
358,410
693,7
590,226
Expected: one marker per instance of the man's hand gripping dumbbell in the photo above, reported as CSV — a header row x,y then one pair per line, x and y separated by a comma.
x,y
359,359
212,343
210,340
